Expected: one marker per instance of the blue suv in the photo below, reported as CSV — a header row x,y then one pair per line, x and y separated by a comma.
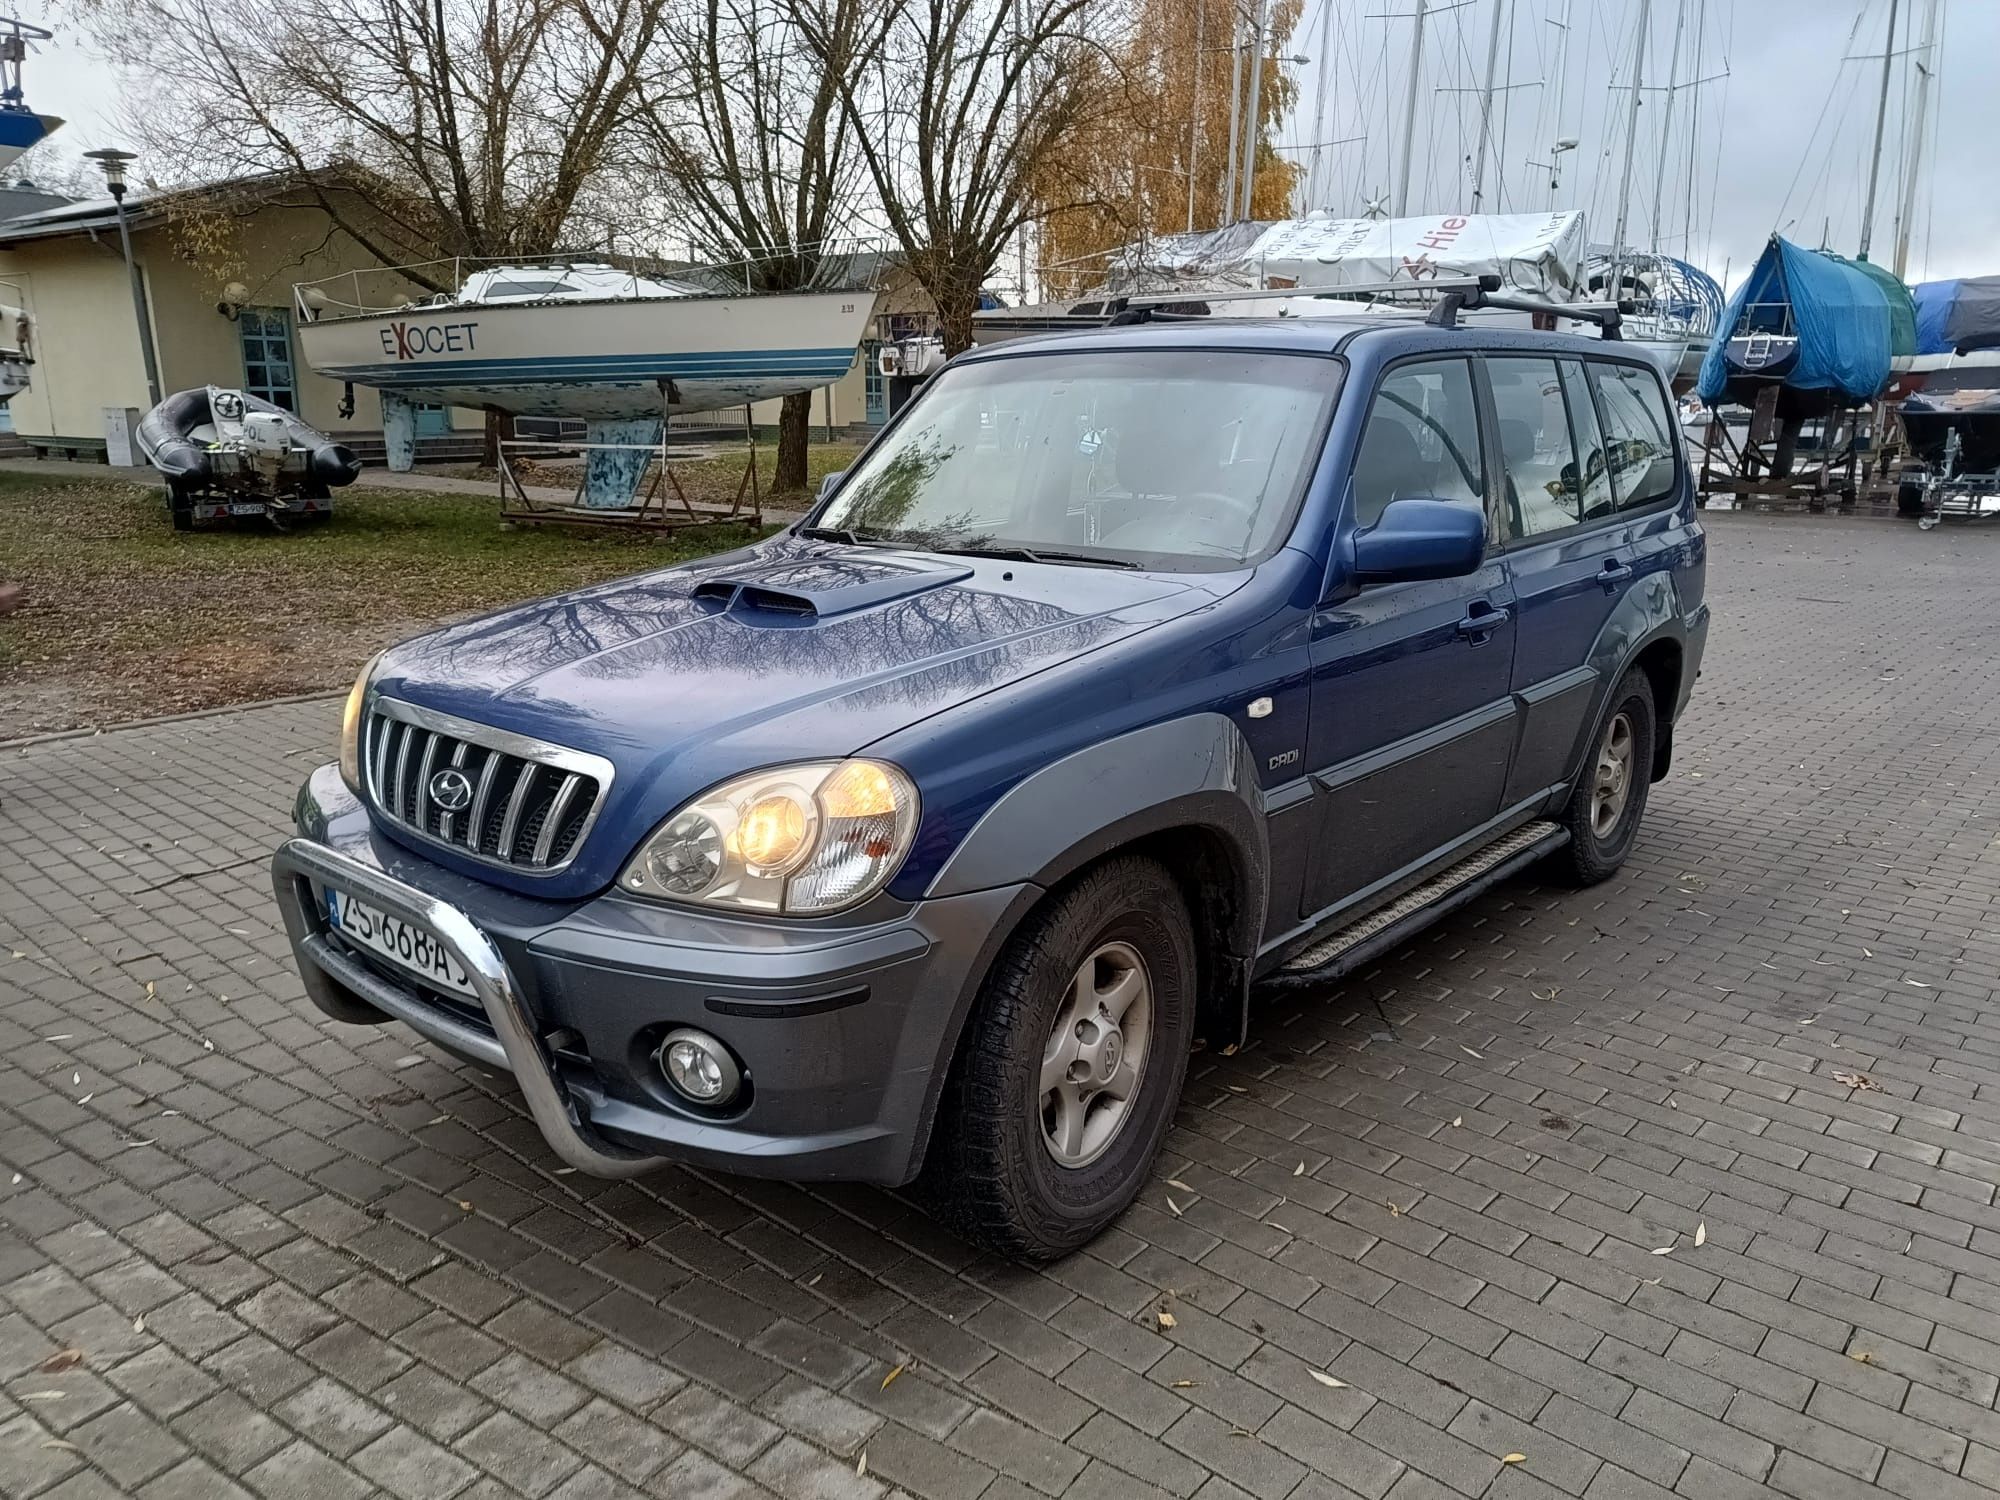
x,y
1124,674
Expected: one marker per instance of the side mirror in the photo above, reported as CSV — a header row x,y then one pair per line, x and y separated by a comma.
x,y
829,484
1421,539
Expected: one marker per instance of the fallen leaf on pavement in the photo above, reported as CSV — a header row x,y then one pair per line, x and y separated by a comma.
x,y
1173,1205
1515,1458
1299,1170
1857,1081
1327,1380
1700,1235
1177,1183
1664,1250
889,1378
1167,1320
62,1359
861,1464
1470,1053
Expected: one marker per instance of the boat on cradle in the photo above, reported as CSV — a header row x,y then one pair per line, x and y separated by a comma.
x,y
625,352
1321,266
1952,424
20,127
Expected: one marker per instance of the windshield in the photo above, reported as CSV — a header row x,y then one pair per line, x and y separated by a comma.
x,y
1177,459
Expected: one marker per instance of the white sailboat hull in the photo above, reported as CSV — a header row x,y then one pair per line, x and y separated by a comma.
x,y
607,360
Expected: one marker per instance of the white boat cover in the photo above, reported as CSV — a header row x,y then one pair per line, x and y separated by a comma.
x,y
1541,254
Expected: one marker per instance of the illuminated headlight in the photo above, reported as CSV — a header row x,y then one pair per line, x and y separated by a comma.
x,y
350,727
807,838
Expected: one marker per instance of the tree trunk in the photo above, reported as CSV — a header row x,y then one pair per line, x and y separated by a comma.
x,y
499,428
794,431
955,310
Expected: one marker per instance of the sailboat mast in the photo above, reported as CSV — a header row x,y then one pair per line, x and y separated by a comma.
x,y
1881,119
1410,111
1251,125
1631,140
1926,71
1486,108
1667,123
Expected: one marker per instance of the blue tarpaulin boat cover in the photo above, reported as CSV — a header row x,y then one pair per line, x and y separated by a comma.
x,y
1841,314
1957,317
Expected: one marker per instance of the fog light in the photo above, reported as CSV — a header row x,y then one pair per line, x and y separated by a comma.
x,y
699,1067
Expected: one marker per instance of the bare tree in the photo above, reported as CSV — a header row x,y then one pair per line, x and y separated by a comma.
x,y
758,160
959,103
486,127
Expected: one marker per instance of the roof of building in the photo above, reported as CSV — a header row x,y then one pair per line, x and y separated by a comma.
x,y
17,198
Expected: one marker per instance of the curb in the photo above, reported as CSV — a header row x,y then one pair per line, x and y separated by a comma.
x,y
88,732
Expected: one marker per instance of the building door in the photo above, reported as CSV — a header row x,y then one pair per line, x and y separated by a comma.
x,y
266,335
873,385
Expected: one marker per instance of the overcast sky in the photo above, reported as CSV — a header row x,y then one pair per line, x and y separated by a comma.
x,y
1782,142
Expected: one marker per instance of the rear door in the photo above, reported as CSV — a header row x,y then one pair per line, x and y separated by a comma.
x,y
1588,475
1412,721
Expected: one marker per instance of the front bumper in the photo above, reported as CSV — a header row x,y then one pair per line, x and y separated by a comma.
x,y
844,1030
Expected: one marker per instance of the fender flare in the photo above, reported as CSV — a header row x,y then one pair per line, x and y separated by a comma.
x,y
1641,620
1195,772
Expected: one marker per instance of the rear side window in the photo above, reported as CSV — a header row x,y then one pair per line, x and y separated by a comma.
x,y
1421,441
1593,470
1638,436
1543,489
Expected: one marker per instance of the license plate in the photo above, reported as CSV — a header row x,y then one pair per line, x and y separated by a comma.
x,y
404,944
247,507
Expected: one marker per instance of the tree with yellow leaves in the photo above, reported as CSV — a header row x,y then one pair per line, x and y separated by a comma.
x,y
1156,161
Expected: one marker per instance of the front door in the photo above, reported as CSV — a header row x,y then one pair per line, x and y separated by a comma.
x,y
1412,721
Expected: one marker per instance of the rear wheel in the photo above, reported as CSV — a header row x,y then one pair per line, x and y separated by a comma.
x,y
1070,1067
1609,798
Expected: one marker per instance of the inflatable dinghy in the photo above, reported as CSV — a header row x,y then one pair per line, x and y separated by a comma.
x,y
225,453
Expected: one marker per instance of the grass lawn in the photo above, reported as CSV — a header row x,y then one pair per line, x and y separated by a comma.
x,y
124,618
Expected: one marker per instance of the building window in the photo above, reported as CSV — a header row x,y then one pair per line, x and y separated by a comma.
x,y
266,333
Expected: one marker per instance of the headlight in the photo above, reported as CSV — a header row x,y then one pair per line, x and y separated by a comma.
x,y
350,728
806,838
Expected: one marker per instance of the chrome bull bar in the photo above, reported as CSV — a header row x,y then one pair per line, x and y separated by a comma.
x,y
301,870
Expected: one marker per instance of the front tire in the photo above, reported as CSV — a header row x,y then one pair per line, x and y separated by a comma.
x,y
1609,798
1070,1067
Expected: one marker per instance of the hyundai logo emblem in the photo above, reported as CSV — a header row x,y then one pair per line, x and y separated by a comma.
x,y
451,789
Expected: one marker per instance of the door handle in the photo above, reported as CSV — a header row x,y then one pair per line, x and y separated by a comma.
x,y
1481,621
1613,573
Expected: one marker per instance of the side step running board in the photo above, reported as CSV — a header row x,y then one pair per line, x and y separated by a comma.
x,y
1347,948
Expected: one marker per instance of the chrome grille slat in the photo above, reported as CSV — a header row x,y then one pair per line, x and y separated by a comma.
x,y
516,805
558,806
475,827
426,764
397,798
542,821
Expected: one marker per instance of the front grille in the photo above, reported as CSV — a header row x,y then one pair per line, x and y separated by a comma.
x,y
529,804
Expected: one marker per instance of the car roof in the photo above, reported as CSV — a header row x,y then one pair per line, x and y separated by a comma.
x,y
1327,335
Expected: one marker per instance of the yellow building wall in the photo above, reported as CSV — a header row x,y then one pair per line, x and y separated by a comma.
x,y
86,335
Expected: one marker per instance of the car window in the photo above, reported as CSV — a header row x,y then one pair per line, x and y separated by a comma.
x,y
1598,499
1637,433
1421,441
1543,490
1171,458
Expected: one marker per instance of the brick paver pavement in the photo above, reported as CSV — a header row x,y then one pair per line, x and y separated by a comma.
x,y
305,1260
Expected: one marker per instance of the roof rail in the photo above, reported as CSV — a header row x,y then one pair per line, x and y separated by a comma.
x,y
1445,284
1445,314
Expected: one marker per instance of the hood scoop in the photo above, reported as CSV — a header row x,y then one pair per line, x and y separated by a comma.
x,y
820,587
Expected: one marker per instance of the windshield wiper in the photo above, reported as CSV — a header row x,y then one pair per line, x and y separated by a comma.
x,y
840,534
1039,555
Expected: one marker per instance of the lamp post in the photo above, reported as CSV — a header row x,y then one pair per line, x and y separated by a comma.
x,y
113,162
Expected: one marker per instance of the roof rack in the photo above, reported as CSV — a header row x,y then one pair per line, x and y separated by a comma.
x,y
1444,284
1445,314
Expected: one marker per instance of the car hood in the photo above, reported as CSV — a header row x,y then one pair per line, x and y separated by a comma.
x,y
790,650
